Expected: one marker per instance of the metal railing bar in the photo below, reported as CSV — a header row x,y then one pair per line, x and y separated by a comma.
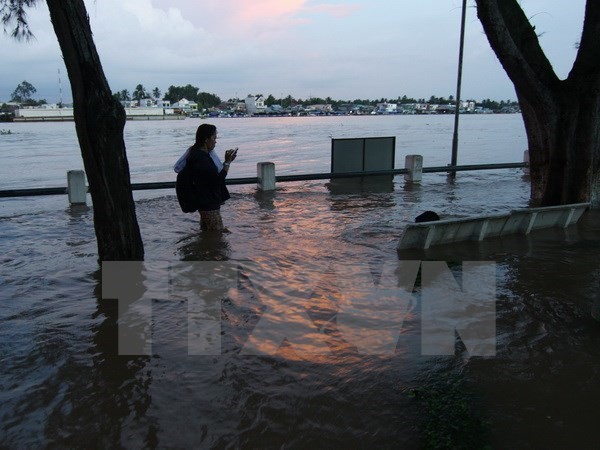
x,y
279,178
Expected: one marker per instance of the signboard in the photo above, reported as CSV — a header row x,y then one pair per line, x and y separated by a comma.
x,y
362,154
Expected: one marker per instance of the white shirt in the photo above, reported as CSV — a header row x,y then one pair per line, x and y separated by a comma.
x,y
180,164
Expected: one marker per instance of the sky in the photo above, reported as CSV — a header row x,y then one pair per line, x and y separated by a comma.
x,y
343,49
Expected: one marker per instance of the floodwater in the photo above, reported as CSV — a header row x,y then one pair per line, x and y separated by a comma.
x,y
306,257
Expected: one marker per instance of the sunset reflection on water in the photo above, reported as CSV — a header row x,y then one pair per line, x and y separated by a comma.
x,y
319,337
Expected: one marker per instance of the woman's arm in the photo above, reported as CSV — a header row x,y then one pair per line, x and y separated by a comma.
x,y
230,155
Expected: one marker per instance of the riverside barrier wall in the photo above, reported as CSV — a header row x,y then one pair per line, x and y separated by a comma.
x,y
266,178
425,235
416,236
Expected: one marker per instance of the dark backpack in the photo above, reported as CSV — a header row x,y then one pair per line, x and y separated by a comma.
x,y
185,187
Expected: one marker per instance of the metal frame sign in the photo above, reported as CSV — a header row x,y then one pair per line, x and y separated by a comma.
x,y
363,154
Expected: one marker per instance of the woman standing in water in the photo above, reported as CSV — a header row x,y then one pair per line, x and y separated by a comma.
x,y
205,171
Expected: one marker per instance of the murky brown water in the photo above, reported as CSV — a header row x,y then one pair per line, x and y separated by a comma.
x,y
62,382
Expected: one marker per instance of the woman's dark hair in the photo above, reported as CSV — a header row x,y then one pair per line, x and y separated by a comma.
x,y
203,133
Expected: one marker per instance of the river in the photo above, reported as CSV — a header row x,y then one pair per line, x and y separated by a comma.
x,y
306,257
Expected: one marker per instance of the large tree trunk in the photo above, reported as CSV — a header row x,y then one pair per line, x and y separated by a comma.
x,y
99,120
561,116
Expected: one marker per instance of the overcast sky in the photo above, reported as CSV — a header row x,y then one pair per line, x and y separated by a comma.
x,y
345,49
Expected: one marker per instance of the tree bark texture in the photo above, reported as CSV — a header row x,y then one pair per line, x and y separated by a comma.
x,y
99,121
561,116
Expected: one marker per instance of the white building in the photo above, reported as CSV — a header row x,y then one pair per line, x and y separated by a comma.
x,y
185,105
146,102
255,104
468,106
327,108
386,108
44,113
142,111
66,114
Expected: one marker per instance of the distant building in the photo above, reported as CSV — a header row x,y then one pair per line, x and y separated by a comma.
x,y
361,109
386,108
255,104
235,107
322,108
422,108
345,108
146,102
240,107
275,109
446,109
142,111
42,113
53,113
468,106
185,106
129,103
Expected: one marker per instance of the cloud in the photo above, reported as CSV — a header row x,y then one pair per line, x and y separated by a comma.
x,y
216,45
139,43
337,48
334,10
265,12
227,18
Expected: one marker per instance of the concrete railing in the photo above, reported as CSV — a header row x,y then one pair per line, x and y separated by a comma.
x,y
265,180
522,221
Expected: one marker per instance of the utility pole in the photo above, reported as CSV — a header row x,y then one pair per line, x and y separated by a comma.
x,y
458,83
60,90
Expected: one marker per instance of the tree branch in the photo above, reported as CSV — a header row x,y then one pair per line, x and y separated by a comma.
x,y
587,62
12,13
516,45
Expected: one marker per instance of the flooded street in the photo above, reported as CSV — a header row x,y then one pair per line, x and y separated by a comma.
x,y
314,338
63,382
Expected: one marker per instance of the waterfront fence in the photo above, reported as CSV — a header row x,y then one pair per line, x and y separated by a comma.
x,y
266,178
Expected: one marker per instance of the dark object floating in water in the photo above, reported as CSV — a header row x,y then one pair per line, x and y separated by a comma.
x,y
427,216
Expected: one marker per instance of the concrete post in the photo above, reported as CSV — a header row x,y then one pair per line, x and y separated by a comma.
x,y
266,176
76,187
414,165
526,161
